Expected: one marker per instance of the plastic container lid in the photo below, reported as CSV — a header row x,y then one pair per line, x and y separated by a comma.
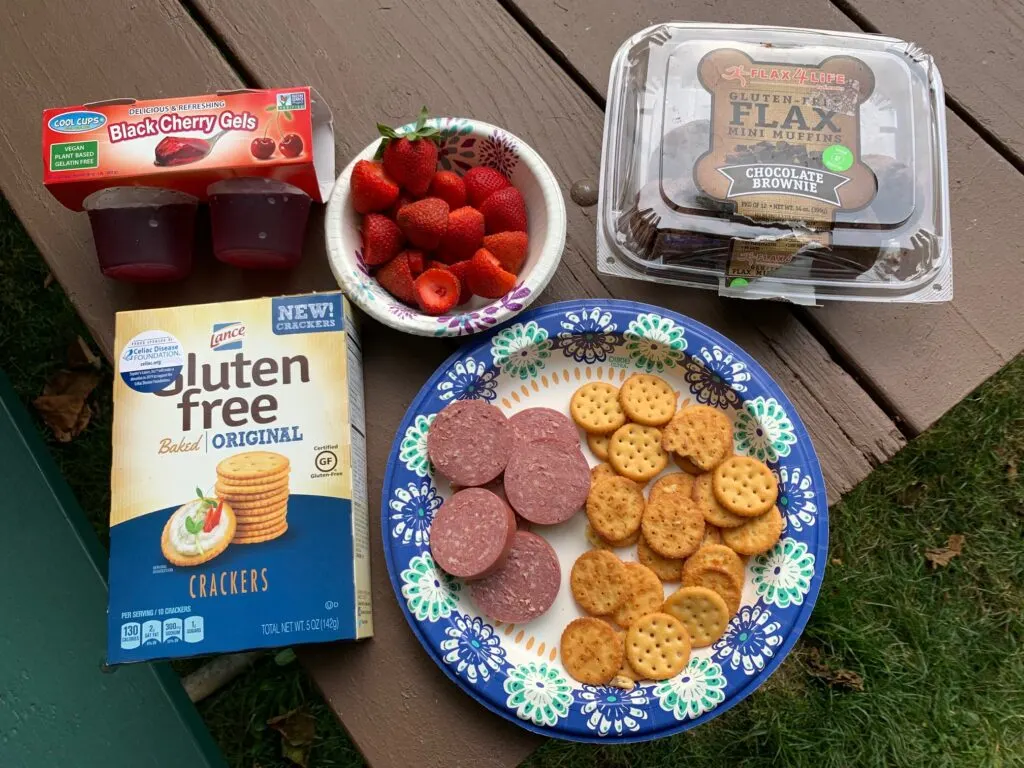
x,y
249,185
135,197
766,162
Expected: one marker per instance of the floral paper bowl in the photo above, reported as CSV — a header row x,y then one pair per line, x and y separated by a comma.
x,y
464,144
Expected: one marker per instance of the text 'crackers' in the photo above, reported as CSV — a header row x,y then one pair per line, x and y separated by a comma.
x,y
238,511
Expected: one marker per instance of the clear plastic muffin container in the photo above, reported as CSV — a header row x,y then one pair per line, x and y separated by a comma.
x,y
767,162
143,234
258,223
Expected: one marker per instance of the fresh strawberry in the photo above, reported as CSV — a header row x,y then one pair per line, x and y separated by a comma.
x,y
449,187
382,239
404,198
481,182
396,278
464,234
417,262
424,222
437,290
504,211
410,158
485,277
372,190
460,269
509,248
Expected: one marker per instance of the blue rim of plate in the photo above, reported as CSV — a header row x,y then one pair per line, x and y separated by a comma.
x,y
430,599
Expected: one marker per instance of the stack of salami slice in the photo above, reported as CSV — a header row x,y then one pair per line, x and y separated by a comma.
x,y
510,473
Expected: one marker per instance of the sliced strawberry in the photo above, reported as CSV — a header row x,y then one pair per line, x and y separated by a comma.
x,y
372,188
396,278
504,211
463,236
437,290
509,248
417,262
424,222
460,269
382,239
485,276
481,182
449,187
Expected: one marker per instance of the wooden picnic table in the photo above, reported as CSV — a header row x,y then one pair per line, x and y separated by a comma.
x,y
863,377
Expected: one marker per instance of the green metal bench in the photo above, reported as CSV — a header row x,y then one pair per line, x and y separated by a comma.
x,y
60,705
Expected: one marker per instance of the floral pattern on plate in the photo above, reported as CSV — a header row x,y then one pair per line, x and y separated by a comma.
x,y
655,343
763,430
515,671
782,575
521,350
473,648
431,593
538,692
587,336
716,378
796,497
468,380
500,152
750,640
694,691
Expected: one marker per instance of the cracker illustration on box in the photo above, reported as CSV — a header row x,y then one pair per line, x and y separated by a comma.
x,y
256,406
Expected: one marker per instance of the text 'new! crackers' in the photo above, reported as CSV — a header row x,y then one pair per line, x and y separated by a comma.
x,y
238,511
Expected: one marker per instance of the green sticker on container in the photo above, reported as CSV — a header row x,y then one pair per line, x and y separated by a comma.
x,y
837,158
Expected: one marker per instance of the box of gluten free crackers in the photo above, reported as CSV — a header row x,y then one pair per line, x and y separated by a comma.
x,y
238,498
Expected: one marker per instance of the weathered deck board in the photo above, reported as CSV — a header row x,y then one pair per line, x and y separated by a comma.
x,y
922,358
404,57
978,49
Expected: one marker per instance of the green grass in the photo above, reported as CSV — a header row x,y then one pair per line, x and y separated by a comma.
x,y
939,650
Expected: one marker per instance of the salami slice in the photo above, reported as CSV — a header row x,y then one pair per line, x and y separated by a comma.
x,y
543,424
469,442
547,481
525,587
471,533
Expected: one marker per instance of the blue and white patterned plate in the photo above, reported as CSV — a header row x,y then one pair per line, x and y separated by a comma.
x,y
515,671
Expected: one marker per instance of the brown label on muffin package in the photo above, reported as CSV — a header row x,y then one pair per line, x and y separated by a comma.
x,y
785,138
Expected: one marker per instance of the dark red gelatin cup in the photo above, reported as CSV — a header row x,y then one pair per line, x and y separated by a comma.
x,y
142,234
258,223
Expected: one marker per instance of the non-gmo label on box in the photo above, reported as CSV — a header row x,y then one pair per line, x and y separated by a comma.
x,y
74,155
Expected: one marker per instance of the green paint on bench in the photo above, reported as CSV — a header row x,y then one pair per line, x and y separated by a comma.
x,y
58,707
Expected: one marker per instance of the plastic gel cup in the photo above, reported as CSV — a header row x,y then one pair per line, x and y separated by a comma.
x,y
258,223
142,234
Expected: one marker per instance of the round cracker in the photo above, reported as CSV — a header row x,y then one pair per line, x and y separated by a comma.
x,y
252,493
252,465
658,646
702,611
257,485
644,595
176,558
757,535
717,580
647,399
604,469
261,537
249,518
591,651
673,525
715,513
744,485
686,465
599,582
615,507
239,503
598,445
634,451
712,534
666,568
595,408
701,433
675,482
716,556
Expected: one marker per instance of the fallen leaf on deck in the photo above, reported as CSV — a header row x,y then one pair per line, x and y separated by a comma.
x,y
297,729
837,678
1011,469
48,280
81,356
940,556
62,404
